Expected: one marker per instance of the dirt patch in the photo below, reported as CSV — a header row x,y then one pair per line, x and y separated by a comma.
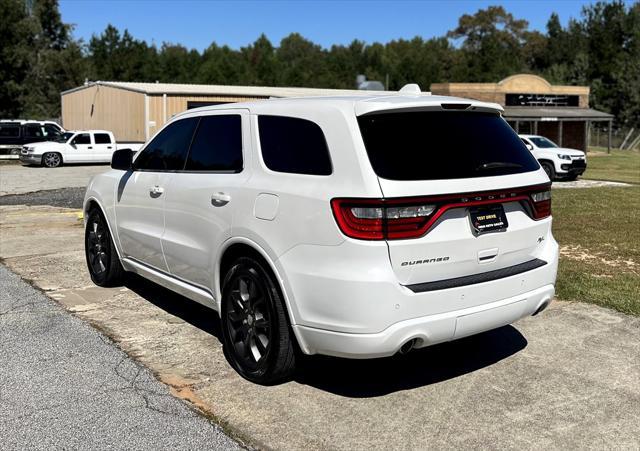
x,y
579,253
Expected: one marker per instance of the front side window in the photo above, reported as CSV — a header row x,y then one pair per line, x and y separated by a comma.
x,y
293,145
168,150
51,131
543,142
102,138
217,144
9,130
435,145
82,138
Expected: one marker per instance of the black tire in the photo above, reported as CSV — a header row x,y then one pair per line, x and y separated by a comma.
x,y
549,169
257,339
572,178
51,159
103,263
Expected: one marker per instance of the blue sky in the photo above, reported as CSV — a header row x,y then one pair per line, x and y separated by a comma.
x,y
196,24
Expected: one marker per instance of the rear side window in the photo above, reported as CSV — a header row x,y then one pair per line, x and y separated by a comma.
x,y
33,131
168,150
432,145
217,145
102,138
293,145
9,130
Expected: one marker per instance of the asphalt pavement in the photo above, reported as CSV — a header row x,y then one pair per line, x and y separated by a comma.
x,y
67,386
63,197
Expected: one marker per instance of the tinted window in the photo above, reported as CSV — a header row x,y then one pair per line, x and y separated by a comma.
x,y
82,139
443,145
33,131
51,130
168,150
102,138
217,145
9,130
293,145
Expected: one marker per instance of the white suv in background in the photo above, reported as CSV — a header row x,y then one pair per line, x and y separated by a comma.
x,y
348,226
559,163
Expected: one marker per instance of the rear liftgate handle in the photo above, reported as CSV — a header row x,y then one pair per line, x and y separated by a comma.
x,y
220,199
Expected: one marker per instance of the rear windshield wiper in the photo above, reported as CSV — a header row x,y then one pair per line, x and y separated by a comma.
x,y
497,164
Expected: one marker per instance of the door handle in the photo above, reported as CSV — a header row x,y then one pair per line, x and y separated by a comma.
x,y
89,147
156,191
220,199
109,147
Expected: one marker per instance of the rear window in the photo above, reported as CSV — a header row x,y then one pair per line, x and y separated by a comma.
x,y
293,145
433,145
102,138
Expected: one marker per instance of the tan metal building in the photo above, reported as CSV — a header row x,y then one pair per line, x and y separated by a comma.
x,y
135,111
534,106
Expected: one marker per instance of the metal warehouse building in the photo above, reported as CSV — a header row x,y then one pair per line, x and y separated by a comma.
x,y
135,111
534,106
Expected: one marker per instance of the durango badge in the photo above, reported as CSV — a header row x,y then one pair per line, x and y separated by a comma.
x,y
428,260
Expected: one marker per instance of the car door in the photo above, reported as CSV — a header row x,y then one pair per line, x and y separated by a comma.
x,y
140,196
103,147
201,200
79,150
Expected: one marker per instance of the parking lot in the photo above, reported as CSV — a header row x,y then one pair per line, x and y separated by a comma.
x,y
569,377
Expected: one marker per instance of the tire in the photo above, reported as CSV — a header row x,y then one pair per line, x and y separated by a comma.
x,y
103,263
572,178
257,339
549,169
51,159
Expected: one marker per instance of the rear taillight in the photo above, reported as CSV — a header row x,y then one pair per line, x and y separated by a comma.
x,y
541,202
373,219
405,218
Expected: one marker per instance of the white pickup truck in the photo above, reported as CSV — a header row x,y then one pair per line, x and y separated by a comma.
x,y
86,146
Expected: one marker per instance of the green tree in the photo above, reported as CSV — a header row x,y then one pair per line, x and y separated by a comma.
x,y
17,31
492,41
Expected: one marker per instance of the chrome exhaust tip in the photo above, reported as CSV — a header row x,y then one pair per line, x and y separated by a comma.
x,y
408,346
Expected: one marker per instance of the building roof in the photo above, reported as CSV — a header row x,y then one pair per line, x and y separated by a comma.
x,y
553,113
221,90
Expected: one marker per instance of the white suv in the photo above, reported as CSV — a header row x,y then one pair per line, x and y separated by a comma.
x,y
560,163
346,226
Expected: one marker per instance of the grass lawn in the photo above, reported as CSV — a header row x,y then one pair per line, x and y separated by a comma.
x,y
599,234
619,166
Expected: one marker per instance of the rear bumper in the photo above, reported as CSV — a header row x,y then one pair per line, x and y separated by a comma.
x,y
428,330
343,304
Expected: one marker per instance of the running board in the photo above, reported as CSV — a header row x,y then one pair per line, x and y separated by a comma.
x,y
477,278
186,289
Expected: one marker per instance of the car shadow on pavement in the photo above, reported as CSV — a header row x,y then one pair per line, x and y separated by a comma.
x,y
421,367
177,305
360,378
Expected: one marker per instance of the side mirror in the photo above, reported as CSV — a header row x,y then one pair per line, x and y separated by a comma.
x,y
122,159
73,144
529,146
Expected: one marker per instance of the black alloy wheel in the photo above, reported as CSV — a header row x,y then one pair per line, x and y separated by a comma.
x,y
102,259
256,334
